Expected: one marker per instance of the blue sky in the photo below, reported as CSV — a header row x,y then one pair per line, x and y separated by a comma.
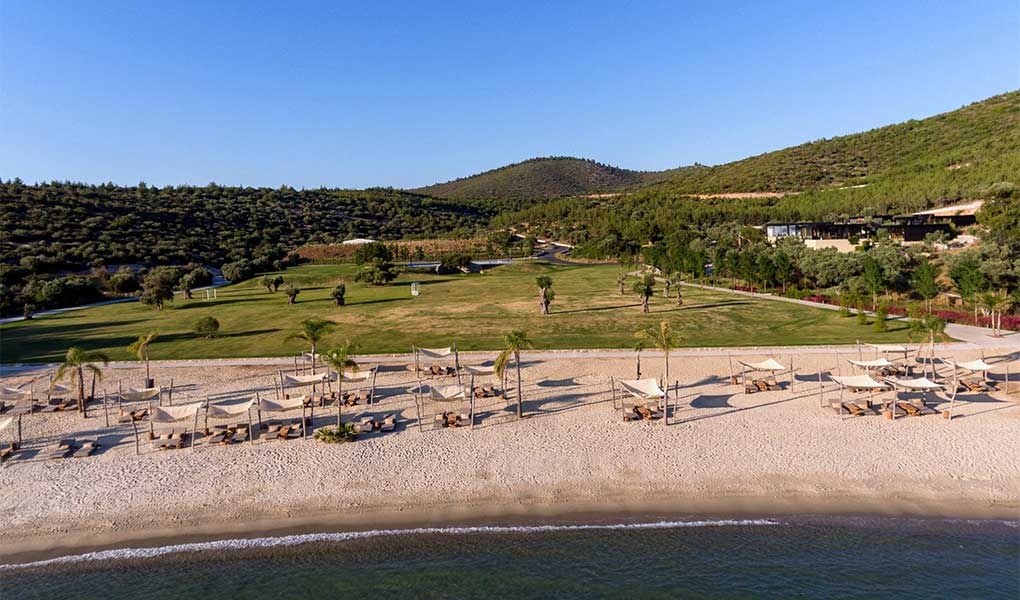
x,y
406,94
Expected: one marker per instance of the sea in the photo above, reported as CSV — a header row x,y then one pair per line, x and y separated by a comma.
x,y
781,557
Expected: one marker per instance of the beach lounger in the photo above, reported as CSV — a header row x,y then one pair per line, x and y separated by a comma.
x,y
857,410
440,421
975,385
63,449
366,425
389,423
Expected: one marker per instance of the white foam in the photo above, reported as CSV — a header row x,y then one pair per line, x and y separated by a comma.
x,y
293,540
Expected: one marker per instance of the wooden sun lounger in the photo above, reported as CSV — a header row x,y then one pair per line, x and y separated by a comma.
x,y
975,385
166,441
389,423
857,410
365,425
133,415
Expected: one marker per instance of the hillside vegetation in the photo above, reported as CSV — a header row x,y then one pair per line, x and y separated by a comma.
x,y
551,177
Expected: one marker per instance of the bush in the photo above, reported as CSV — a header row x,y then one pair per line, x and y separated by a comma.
x,y
336,435
378,272
158,287
123,281
881,318
338,294
862,317
292,293
374,251
206,327
238,270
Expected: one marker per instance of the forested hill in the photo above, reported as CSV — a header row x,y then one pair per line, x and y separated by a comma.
x,y
551,177
972,145
61,226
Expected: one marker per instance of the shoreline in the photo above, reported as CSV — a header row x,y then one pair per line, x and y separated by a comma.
x,y
612,510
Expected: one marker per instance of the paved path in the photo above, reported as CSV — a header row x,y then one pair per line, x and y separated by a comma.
x,y
979,336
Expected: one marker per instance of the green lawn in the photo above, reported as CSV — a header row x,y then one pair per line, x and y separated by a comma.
x,y
472,310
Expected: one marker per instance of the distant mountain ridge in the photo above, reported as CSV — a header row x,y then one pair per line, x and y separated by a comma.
x,y
547,177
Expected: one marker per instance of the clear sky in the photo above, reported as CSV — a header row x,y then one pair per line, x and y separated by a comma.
x,y
406,94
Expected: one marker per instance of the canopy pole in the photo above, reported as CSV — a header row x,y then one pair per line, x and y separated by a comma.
x,y
472,401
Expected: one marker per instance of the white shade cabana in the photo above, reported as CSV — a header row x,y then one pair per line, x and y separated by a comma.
x,y
972,367
436,354
301,403
853,384
293,381
450,393
919,384
360,379
170,415
650,395
147,395
770,366
22,399
483,371
232,412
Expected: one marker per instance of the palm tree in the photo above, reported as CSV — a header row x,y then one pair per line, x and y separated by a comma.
x,y
928,326
141,349
516,341
645,288
339,359
76,362
313,329
995,303
664,338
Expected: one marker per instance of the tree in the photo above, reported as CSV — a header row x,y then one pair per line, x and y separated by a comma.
x,y
76,363
191,280
292,294
645,289
338,294
621,279
873,278
965,271
516,341
926,325
267,282
881,323
784,270
529,245
206,327
339,359
313,330
664,338
366,253
158,288
140,348
545,292
238,270
377,272
925,282
277,282
995,303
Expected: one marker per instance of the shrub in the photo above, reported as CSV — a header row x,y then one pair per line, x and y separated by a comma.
x,y
123,281
292,293
366,253
206,327
862,317
377,272
336,435
881,318
238,270
338,294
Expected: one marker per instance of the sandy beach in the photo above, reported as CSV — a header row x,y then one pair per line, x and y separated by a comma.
x,y
723,452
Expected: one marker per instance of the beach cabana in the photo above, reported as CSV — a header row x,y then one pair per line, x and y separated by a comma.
x,y
170,416
975,373
446,394
21,400
133,395
234,431
885,349
286,405
358,381
770,367
652,399
853,384
292,381
922,385
879,366
12,423
481,372
437,354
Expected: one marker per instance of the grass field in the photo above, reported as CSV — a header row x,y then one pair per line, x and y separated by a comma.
x,y
473,310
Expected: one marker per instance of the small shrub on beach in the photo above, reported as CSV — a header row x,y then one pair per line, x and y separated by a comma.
x,y
336,435
206,327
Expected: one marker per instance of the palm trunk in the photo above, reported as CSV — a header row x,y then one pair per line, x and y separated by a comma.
x,y
81,391
313,358
520,398
147,377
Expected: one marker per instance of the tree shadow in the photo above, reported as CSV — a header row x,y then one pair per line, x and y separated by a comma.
x,y
712,401
594,309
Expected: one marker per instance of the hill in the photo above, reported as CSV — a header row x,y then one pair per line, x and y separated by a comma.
x,y
550,177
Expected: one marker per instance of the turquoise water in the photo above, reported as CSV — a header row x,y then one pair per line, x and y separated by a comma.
x,y
779,558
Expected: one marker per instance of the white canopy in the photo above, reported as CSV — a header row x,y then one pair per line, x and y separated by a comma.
x,y
447,392
172,414
862,382
645,389
480,369
281,405
436,352
360,375
888,348
226,411
140,394
921,383
57,388
7,393
878,363
767,365
973,365
305,379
